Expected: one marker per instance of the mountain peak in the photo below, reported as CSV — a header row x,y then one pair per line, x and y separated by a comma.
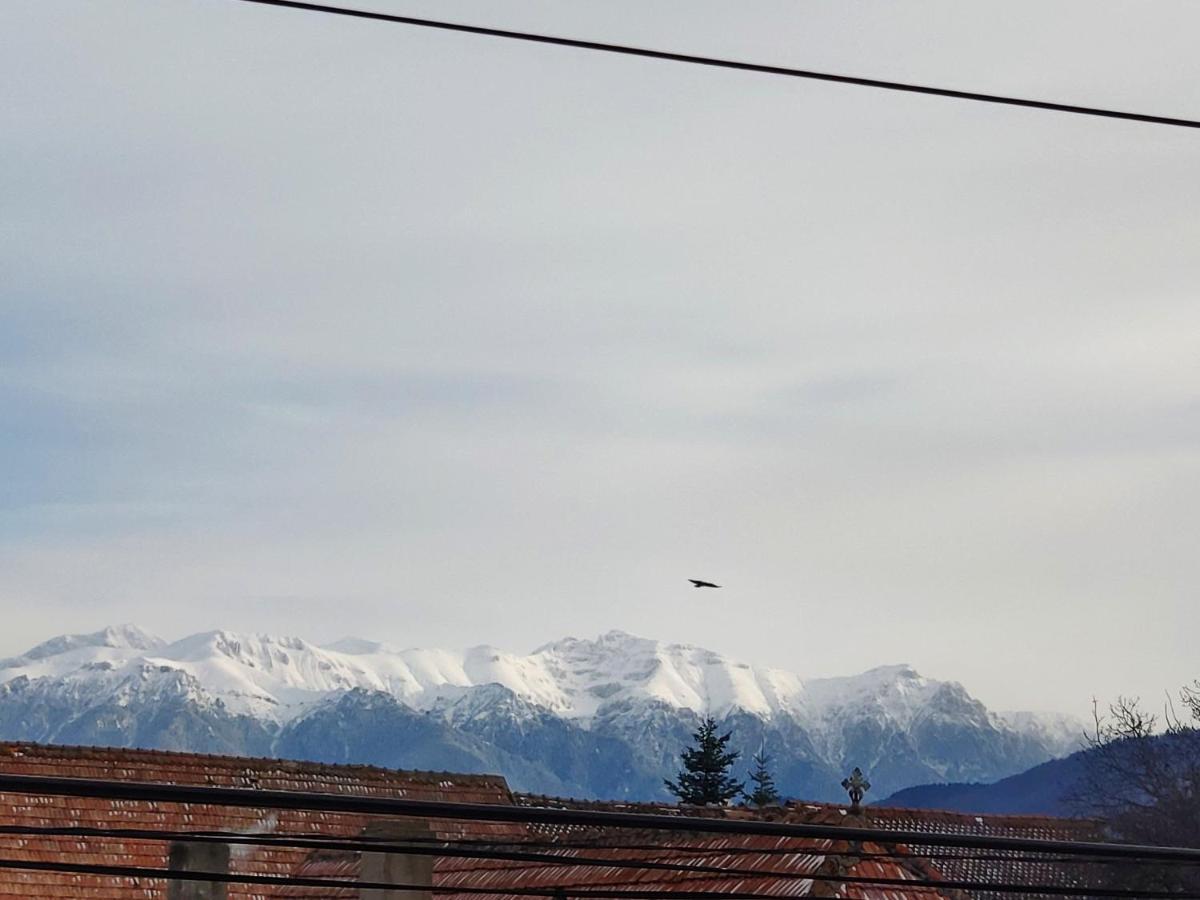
x,y
353,646
891,672
563,704
130,636
234,644
614,637
617,636
116,637
575,678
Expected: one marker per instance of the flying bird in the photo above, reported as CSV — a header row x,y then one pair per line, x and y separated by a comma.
x,y
696,583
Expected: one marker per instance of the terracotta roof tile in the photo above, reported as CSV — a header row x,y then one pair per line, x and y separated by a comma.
x,y
782,868
810,857
967,865
197,769
951,864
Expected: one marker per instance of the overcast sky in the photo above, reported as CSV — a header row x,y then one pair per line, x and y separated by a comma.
x,y
326,327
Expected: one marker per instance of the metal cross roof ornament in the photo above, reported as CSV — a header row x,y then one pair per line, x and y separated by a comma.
x,y
856,785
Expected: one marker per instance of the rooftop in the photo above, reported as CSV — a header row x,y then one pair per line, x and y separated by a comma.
x,y
782,866
197,769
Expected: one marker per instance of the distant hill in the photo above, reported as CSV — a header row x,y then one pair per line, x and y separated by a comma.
x,y
1042,790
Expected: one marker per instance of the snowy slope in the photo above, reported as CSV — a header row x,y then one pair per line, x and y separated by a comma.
x,y
602,717
280,677
1061,734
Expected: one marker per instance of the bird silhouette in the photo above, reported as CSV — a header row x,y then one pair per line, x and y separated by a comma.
x,y
696,583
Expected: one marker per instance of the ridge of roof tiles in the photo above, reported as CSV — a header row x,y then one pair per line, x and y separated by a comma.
x,y
801,811
950,864
783,868
199,769
10,750
267,773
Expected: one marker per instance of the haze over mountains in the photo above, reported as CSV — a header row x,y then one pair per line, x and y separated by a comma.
x,y
595,718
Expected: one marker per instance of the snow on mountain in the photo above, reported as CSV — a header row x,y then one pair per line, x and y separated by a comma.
x,y
117,638
617,666
1061,734
601,717
278,678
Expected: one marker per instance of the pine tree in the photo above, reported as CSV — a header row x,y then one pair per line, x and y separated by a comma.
x,y
705,777
764,793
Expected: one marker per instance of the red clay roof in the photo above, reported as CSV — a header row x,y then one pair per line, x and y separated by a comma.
x,y
196,769
801,857
949,863
780,864
967,865
782,868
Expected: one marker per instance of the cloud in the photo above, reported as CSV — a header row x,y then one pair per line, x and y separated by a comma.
x,y
467,342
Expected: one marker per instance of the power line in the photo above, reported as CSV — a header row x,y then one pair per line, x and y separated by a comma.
x,y
912,852
485,847
375,845
432,809
695,852
692,858
111,871
577,892
693,59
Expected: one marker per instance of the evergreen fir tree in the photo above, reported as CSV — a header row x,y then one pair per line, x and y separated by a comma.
x,y
705,779
764,793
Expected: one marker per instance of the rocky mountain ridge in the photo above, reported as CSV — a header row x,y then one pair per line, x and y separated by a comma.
x,y
600,718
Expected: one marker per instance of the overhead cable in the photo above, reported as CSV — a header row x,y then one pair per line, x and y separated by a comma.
x,y
741,65
690,859
577,892
434,809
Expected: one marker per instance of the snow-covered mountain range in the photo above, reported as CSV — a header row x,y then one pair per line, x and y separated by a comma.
x,y
603,717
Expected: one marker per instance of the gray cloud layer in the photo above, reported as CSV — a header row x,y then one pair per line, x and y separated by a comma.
x,y
327,327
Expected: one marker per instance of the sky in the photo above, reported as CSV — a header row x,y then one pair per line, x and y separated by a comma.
x,y
328,327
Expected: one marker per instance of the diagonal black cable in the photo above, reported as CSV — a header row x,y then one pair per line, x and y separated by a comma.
x,y
912,851
243,797
439,809
400,848
687,869
580,891
690,858
730,63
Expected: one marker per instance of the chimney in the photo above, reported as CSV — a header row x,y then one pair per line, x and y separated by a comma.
x,y
193,857
398,868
